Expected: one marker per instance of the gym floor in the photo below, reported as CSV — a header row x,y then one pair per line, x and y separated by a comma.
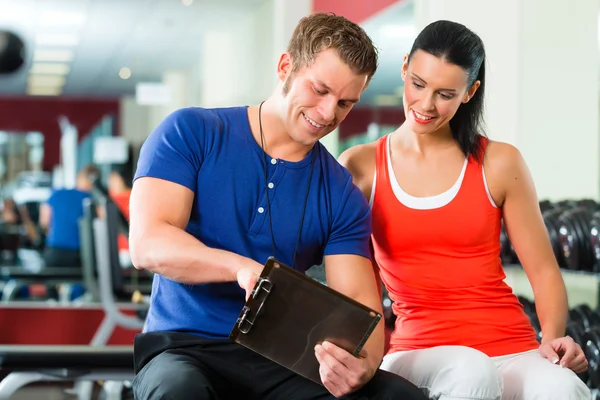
x,y
40,392
53,391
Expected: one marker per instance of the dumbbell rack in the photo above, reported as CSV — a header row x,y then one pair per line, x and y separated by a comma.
x,y
573,228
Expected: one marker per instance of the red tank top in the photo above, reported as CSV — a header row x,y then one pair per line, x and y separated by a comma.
x,y
439,258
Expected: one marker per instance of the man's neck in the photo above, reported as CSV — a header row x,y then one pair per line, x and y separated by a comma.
x,y
276,141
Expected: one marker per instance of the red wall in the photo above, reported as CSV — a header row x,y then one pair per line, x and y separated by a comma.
x,y
359,119
57,325
41,114
354,10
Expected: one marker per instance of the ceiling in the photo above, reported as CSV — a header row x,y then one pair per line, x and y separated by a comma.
x,y
153,36
148,36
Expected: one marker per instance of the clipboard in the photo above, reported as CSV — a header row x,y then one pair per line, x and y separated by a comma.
x,y
289,313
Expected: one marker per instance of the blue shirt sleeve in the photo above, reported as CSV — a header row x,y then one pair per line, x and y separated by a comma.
x,y
51,200
351,229
174,151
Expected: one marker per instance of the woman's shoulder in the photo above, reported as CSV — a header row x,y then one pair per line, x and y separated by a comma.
x,y
501,154
360,161
503,164
359,157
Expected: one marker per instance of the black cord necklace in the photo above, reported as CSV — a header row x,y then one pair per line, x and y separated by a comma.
x,y
312,164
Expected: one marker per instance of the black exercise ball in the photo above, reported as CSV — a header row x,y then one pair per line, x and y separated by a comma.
x,y
12,52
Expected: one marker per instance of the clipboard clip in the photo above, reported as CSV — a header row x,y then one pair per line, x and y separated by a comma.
x,y
260,293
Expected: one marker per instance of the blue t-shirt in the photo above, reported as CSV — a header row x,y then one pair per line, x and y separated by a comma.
x,y
67,209
213,153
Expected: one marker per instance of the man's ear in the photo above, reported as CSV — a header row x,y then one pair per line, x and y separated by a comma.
x,y
284,66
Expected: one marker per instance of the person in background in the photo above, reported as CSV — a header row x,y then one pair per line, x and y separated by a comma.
x,y
10,212
59,217
119,190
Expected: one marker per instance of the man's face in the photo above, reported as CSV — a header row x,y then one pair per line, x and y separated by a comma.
x,y
318,97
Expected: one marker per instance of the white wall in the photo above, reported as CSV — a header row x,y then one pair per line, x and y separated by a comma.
x,y
133,121
237,65
558,97
542,84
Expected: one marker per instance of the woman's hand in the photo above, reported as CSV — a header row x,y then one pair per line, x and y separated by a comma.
x,y
567,352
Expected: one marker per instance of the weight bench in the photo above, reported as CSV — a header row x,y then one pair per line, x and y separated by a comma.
x,y
30,364
18,277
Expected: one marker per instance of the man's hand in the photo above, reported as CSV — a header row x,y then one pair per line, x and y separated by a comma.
x,y
566,351
248,276
340,371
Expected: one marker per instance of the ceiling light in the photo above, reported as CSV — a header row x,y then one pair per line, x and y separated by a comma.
x,y
56,39
57,18
52,55
187,2
125,73
44,90
50,68
46,80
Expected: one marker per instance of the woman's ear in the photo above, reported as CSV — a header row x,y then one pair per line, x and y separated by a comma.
x,y
471,92
404,67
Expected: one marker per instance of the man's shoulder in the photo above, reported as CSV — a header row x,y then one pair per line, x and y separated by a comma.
x,y
208,115
68,193
339,180
334,172
197,122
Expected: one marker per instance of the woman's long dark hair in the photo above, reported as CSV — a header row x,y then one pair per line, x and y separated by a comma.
x,y
460,46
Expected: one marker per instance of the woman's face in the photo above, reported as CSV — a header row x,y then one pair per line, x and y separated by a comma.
x,y
433,91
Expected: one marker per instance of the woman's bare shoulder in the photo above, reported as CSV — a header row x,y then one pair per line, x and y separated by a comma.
x,y
360,160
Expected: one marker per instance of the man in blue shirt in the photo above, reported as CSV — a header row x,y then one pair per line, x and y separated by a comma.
x,y
60,215
218,191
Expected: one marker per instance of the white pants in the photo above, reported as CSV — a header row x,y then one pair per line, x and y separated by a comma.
x,y
463,373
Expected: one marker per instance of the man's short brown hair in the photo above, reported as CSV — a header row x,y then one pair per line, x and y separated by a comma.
x,y
322,31
90,172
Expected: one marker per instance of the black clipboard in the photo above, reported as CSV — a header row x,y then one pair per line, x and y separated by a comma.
x,y
289,313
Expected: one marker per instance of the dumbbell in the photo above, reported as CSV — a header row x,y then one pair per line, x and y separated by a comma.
x,y
577,333
591,347
584,316
388,313
580,315
584,328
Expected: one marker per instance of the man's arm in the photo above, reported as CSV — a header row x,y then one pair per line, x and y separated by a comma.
x,y
340,371
158,242
161,202
353,276
349,271
45,215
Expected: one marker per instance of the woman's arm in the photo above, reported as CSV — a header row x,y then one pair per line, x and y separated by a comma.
x,y
512,188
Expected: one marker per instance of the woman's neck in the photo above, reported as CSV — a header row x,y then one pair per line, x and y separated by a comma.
x,y
424,143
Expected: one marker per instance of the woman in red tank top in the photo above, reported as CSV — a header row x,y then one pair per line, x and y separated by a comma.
x,y
439,191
